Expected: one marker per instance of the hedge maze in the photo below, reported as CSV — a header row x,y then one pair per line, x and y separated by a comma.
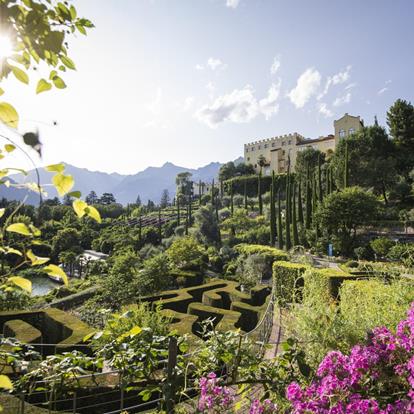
x,y
222,301
46,326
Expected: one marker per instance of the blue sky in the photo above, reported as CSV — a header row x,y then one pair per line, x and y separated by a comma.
x,y
191,81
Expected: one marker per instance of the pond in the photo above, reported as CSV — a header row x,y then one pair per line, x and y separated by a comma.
x,y
42,285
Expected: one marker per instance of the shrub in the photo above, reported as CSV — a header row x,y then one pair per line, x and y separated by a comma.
x,y
402,252
381,246
374,378
288,281
186,254
366,304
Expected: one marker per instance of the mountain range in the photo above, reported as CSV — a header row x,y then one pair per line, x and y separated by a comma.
x,y
147,184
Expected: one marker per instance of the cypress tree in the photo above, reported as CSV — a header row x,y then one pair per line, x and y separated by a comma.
x,y
279,222
272,212
140,227
186,223
287,217
245,195
231,199
190,214
346,172
300,206
199,193
212,193
320,179
259,192
178,210
308,217
294,222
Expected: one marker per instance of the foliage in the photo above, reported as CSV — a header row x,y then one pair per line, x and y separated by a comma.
x,y
342,213
206,225
186,254
288,281
402,252
374,378
381,246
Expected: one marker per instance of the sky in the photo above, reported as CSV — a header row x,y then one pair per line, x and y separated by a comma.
x,y
191,81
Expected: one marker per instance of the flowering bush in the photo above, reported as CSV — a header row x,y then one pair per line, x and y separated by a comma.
x,y
266,407
377,378
214,398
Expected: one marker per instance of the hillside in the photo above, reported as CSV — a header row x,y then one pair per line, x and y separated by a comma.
x,y
148,184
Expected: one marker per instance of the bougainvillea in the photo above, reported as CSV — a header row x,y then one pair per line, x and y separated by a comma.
x,y
213,397
376,378
265,407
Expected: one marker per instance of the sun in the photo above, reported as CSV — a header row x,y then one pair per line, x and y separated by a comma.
x,y
6,46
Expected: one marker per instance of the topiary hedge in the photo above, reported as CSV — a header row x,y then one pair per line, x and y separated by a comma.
x,y
325,283
56,327
250,183
288,281
24,332
219,299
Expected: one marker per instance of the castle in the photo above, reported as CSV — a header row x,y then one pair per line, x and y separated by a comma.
x,y
279,151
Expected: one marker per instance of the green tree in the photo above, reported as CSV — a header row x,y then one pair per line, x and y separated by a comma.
x,y
92,198
307,161
186,253
165,199
227,171
107,198
342,213
400,121
207,225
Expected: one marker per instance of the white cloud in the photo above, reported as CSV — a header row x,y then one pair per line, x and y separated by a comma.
x,y
342,99
269,106
275,65
199,67
188,103
385,88
306,86
239,106
232,3
216,64
350,86
324,110
338,78
211,88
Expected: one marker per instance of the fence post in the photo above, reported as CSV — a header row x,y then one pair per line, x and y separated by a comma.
x,y
74,402
121,386
169,387
22,401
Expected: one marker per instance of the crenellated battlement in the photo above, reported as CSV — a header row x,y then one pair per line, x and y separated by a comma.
x,y
274,139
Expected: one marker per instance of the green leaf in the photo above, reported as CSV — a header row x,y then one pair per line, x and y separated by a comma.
x,y
8,115
9,147
53,41
54,270
63,183
43,85
59,83
75,194
21,282
93,213
19,228
20,74
5,383
89,336
36,260
68,62
2,211
79,206
10,250
59,168
136,330
1,91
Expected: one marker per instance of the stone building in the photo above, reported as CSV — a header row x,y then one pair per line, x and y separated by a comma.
x,y
276,152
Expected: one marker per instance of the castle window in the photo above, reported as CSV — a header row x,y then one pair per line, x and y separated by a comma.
x,y
283,143
351,131
289,142
259,147
265,145
342,133
273,144
252,149
247,149
248,158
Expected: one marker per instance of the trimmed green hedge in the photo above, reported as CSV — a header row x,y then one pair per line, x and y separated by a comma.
x,y
57,327
24,332
325,283
288,281
250,183
219,299
366,304
187,278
